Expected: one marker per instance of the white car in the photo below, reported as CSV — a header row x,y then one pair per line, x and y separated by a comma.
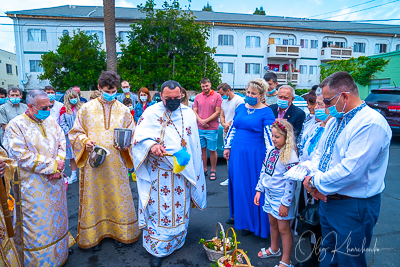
x,y
301,103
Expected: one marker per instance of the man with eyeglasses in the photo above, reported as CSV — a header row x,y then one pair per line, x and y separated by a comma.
x,y
348,172
127,93
37,143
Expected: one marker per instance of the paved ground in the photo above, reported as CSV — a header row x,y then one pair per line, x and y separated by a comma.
x,y
202,225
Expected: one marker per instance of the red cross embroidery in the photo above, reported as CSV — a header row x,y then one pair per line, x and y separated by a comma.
x,y
151,201
165,221
165,190
178,218
135,143
165,206
202,188
198,177
189,130
168,247
147,237
179,190
160,120
177,204
179,176
165,175
150,231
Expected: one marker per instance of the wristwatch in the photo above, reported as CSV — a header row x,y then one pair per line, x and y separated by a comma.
x,y
311,183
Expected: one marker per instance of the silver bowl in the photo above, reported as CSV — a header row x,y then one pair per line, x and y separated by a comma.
x,y
98,156
122,137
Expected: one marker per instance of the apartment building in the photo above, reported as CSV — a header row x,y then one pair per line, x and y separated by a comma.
x,y
8,69
247,45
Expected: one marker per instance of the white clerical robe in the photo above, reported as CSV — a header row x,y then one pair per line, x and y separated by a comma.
x,y
37,146
165,198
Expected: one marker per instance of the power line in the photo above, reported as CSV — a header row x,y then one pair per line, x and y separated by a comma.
x,y
362,9
342,9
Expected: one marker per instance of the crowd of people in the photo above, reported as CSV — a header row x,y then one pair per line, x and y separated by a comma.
x,y
339,150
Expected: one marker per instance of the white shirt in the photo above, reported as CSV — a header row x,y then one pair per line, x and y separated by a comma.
x,y
353,154
229,106
55,111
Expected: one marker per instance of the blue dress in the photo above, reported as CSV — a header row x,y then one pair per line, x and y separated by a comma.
x,y
246,157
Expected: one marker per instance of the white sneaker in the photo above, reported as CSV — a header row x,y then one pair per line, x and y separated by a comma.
x,y
73,177
69,180
224,183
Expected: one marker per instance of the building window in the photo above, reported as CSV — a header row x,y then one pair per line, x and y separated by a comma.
x,y
359,47
34,66
304,43
340,44
16,70
313,70
9,69
37,35
380,48
303,69
288,41
65,32
225,67
253,41
378,83
124,36
99,34
252,68
327,44
314,44
224,39
398,47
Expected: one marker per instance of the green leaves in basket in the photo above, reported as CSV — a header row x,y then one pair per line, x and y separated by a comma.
x,y
214,264
202,241
221,235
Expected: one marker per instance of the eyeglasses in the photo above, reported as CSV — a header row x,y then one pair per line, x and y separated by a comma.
x,y
327,102
45,108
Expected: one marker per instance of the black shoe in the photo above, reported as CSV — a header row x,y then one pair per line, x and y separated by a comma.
x,y
118,244
70,251
156,261
246,232
96,248
230,221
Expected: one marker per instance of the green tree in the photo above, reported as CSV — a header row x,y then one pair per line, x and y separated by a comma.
x,y
362,68
78,60
207,7
259,11
167,44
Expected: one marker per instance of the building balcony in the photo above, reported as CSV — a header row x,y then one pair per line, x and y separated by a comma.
x,y
335,53
283,51
283,77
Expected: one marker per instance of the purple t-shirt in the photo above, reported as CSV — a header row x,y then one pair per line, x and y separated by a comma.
x,y
206,106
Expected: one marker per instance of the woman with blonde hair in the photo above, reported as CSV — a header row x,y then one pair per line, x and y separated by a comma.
x,y
68,113
245,147
185,98
95,94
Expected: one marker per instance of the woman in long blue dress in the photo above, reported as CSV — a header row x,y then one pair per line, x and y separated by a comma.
x,y
245,148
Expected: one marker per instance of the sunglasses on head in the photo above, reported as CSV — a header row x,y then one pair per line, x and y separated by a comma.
x,y
327,102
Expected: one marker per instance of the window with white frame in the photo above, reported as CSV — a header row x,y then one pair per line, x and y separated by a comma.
x,y
288,42
34,66
398,47
65,32
303,69
253,41
313,69
340,44
37,35
225,39
359,47
314,44
124,36
226,67
378,83
380,48
99,34
304,43
252,68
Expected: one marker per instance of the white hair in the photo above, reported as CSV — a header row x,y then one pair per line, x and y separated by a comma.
x,y
289,87
35,94
318,92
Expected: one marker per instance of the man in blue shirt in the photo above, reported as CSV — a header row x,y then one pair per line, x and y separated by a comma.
x,y
127,93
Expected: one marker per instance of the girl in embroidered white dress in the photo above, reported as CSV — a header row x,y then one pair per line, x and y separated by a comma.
x,y
279,192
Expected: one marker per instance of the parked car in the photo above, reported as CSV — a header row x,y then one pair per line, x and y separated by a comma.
x,y
60,97
301,103
387,102
157,97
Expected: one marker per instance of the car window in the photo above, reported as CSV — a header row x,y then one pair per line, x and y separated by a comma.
x,y
298,98
389,97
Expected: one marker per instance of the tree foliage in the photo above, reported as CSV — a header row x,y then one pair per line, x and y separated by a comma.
x,y
167,44
78,60
362,68
207,7
259,11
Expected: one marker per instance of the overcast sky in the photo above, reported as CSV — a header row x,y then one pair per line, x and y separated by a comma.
x,y
291,8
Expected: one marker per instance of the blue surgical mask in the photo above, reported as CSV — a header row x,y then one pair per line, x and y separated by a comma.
x,y
225,97
271,92
15,100
125,90
282,103
109,97
42,114
320,114
3,100
52,97
73,101
143,98
252,101
333,111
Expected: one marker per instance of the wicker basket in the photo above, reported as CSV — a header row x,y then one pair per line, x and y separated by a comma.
x,y
214,255
248,264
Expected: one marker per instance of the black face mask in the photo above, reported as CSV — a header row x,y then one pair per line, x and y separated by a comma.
x,y
172,104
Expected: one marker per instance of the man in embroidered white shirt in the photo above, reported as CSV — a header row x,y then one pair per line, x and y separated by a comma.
x,y
348,172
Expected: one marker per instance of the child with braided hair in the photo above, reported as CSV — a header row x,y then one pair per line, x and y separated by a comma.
x,y
279,192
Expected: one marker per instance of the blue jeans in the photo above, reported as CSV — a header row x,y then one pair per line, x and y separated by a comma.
x,y
347,227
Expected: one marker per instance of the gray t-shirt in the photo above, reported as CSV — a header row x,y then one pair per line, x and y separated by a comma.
x,y
270,100
8,112
229,106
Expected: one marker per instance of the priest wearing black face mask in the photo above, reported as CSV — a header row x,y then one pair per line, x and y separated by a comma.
x,y
165,197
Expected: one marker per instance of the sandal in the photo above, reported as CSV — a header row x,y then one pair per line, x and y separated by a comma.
x,y
206,173
213,177
285,264
272,254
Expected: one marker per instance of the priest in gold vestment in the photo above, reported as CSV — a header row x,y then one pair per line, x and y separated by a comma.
x,y
106,207
37,143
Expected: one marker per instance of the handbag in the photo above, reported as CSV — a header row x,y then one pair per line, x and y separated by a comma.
x,y
308,220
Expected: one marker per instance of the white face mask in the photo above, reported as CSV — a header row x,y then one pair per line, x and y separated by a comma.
x,y
143,98
125,90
